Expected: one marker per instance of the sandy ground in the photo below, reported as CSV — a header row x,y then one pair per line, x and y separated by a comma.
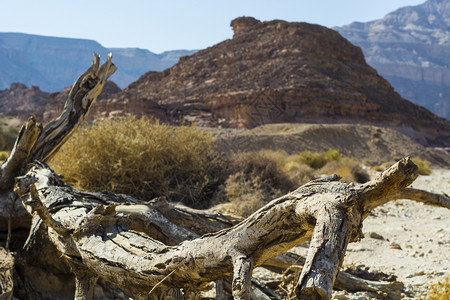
x,y
414,243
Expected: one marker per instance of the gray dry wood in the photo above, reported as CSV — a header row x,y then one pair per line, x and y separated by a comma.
x,y
106,237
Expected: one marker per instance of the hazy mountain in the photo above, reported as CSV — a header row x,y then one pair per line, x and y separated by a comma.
x,y
54,63
410,47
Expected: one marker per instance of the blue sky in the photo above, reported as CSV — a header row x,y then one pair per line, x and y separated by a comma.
x,y
175,24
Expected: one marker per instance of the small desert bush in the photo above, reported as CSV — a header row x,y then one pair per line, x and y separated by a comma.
x,y
144,159
246,194
8,136
423,165
257,177
348,169
317,160
3,156
440,290
266,165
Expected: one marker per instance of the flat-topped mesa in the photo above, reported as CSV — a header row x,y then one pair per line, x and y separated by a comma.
x,y
278,72
243,24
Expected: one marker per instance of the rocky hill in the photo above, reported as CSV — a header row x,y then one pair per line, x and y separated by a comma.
x,y
410,48
20,101
371,145
54,63
273,72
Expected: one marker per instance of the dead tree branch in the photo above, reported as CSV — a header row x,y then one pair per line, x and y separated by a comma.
x,y
102,238
37,142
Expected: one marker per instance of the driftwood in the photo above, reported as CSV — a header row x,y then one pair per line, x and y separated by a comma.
x,y
102,236
36,142
6,274
152,250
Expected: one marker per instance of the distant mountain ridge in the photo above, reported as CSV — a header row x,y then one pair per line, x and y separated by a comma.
x,y
53,63
410,47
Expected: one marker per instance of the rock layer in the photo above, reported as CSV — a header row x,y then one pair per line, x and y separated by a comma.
x,y
20,101
272,72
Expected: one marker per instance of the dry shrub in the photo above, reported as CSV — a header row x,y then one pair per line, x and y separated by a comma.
x,y
440,290
144,159
299,174
266,165
258,177
255,178
246,194
348,169
317,160
3,156
8,136
423,165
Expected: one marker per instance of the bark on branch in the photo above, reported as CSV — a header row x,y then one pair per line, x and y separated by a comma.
x,y
37,142
83,94
107,235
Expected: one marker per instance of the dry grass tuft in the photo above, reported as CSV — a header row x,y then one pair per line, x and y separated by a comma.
x,y
317,160
440,290
8,136
348,169
258,177
423,165
266,165
3,156
144,159
246,194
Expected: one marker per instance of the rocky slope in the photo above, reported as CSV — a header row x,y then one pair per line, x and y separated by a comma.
x,y
368,144
20,101
410,47
54,63
272,72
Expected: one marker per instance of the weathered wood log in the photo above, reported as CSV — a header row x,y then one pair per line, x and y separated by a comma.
x,y
28,135
6,275
102,239
352,283
433,199
37,142
344,280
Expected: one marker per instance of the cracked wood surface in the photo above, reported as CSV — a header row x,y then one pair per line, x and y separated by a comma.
x,y
37,142
108,238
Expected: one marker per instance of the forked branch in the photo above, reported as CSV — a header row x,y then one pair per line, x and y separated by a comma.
x,y
37,142
105,240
